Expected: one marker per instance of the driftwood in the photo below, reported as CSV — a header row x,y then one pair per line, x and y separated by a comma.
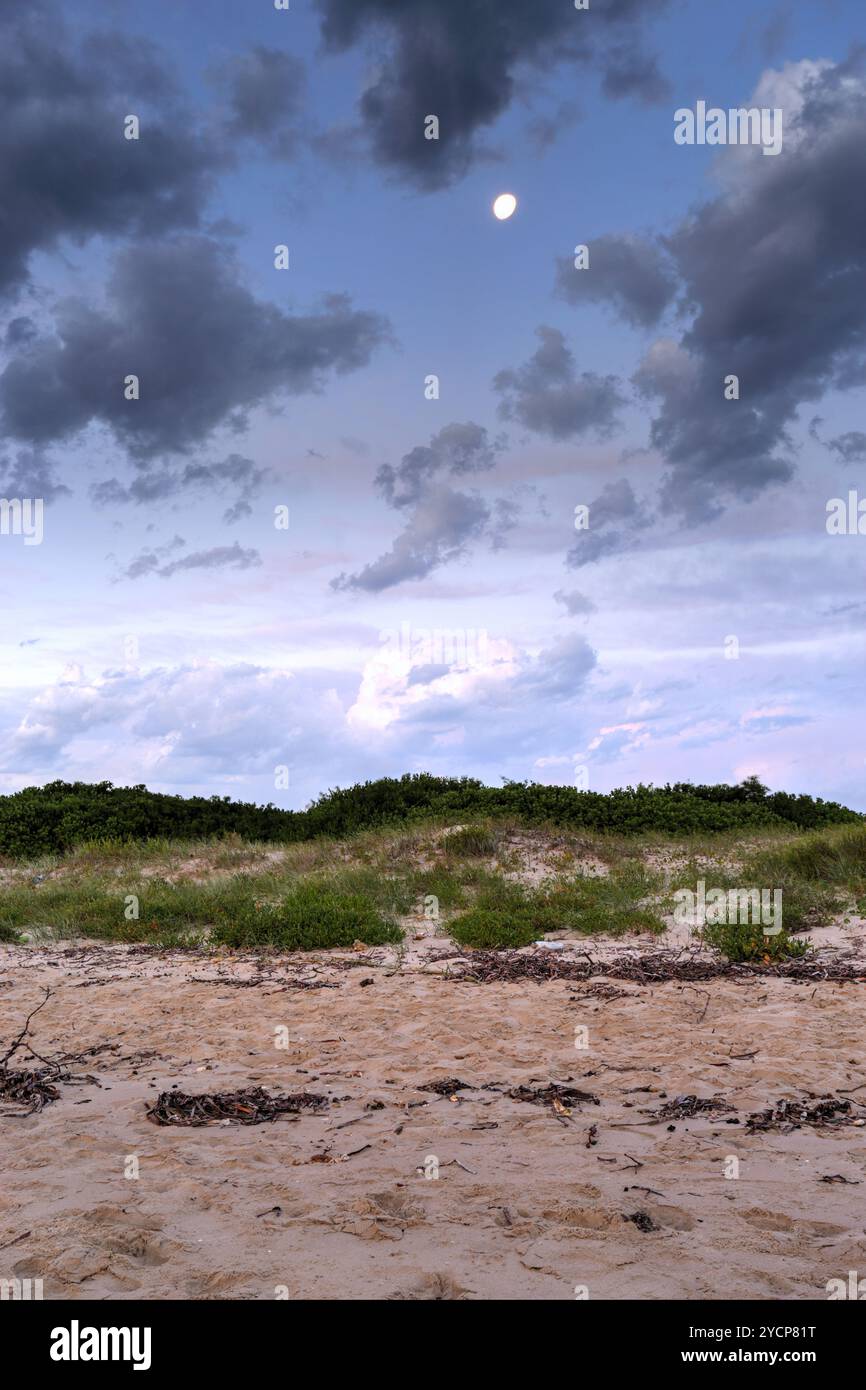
x,y
36,1087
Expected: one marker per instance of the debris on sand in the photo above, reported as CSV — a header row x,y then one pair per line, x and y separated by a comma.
x,y
553,1095
251,1107
36,1087
448,1086
258,980
819,1111
686,1107
30,1088
489,967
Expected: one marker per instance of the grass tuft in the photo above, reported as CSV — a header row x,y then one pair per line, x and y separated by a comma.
x,y
312,917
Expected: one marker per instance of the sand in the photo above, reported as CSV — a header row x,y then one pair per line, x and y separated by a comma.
x,y
527,1204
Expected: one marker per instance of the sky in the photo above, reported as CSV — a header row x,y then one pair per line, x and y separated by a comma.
x,y
342,477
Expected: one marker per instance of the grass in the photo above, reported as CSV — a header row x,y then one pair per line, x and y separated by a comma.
x,y
816,874
313,916
479,882
470,842
507,914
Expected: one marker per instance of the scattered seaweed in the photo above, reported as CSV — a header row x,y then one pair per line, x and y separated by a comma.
x,y
553,1095
250,1107
821,1112
686,1107
446,1087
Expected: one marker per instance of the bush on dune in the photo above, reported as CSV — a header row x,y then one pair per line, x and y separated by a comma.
x,y
55,818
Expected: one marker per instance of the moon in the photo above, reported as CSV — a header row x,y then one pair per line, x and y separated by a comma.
x,y
505,206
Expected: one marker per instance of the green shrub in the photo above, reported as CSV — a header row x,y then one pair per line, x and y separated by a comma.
x,y
311,917
55,818
744,942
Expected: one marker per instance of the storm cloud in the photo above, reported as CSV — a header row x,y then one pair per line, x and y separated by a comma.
x,y
66,168
782,244
178,316
461,61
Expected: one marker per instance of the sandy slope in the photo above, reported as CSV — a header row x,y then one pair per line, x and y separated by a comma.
x,y
522,1207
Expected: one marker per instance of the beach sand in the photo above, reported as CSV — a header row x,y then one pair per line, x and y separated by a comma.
x,y
528,1204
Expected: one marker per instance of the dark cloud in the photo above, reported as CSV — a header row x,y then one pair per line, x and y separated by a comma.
x,y
19,330
548,396
791,229
264,93
632,275
461,60
205,350
781,245
66,169
442,520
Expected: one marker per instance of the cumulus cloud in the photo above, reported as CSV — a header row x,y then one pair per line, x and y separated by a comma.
x,y
198,719
462,62
179,317
549,396
66,170
790,229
